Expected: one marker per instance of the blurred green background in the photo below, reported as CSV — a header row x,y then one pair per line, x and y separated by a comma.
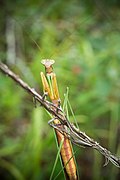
x,y
83,37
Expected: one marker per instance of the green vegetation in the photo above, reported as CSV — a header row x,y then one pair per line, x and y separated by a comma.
x,y
84,40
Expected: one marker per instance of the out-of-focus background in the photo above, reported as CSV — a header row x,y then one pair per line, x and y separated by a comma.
x,y
83,37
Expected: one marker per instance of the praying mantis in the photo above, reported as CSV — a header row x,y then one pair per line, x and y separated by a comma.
x,y
51,89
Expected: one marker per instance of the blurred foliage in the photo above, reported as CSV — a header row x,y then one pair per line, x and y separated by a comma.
x,y
84,39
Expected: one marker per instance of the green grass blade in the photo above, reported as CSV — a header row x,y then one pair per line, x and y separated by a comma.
x,y
65,103
58,153
73,114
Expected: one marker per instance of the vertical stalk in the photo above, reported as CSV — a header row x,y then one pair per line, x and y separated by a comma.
x,y
50,87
